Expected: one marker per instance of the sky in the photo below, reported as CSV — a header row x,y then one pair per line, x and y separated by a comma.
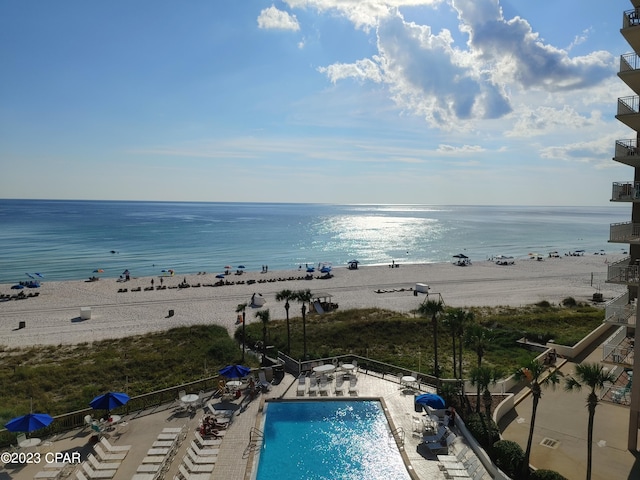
x,y
458,102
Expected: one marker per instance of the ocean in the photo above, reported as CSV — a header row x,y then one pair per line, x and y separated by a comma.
x,y
69,240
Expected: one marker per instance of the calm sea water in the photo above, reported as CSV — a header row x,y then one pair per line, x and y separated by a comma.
x,y
66,240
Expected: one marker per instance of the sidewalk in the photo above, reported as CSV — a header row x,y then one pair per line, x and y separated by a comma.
x,y
560,435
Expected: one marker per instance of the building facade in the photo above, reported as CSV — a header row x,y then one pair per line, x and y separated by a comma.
x,y
622,346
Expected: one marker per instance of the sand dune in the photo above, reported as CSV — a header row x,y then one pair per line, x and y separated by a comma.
x,y
53,317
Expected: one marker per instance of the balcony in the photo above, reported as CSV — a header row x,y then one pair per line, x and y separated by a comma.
x,y
620,312
625,192
625,232
624,272
627,152
630,71
618,348
630,28
629,111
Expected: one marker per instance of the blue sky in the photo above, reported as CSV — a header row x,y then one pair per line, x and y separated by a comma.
x,y
333,101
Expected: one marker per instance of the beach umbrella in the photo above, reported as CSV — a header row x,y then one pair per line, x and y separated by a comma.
x,y
98,270
126,272
39,275
235,371
227,267
241,266
29,275
220,275
29,422
109,401
460,255
430,400
17,287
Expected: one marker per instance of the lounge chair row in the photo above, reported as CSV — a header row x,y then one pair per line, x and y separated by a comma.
x,y
323,385
200,458
159,457
106,464
463,465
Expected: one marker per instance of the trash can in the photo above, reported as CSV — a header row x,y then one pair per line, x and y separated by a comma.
x,y
22,325
171,312
278,372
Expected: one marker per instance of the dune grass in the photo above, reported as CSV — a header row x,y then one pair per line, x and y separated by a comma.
x,y
65,378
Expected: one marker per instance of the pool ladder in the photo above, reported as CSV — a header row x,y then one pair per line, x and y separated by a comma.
x,y
398,436
256,437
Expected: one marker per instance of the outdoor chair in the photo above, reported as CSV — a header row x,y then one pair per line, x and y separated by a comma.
x,y
96,464
196,468
204,452
192,476
108,457
340,385
262,381
201,460
302,384
114,448
91,473
353,386
313,385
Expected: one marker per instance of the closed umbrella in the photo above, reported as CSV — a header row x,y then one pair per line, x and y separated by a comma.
x,y
235,371
430,400
29,422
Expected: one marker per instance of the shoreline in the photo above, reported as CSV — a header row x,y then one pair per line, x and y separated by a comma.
x,y
53,317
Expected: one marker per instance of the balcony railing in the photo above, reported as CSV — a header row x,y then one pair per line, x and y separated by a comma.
x,y
625,232
628,105
623,272
627,147
631,18
620,312
618,348
625,191
629,62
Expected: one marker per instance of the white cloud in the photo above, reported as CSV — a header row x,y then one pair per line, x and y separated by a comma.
x,y
274,19
544,120
450,85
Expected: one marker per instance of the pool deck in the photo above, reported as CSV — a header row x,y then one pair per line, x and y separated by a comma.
x,y
235,460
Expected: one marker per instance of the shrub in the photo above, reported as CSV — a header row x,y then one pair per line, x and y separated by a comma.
x,y
508,456
546,475
478,426
543,304
569,302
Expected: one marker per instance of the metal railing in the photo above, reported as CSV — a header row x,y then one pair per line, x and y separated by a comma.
x,y
628,105
625,191
631,18
624,232
629,62
626,148
620,312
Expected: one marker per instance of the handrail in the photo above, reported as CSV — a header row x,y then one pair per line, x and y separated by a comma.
x,y
398,435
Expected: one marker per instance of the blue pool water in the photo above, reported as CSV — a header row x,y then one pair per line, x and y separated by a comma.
x,y
332,440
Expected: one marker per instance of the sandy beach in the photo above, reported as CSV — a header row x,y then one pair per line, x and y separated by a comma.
x,y
53,317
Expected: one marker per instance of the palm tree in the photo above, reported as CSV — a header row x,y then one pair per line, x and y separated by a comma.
x,y
264,316
478,338
241,308
433,309
594,376
533,373
286,295
304,297
466,320
453,320
483,377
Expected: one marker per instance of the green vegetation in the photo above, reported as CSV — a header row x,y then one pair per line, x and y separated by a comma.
x,y
65,378
407,340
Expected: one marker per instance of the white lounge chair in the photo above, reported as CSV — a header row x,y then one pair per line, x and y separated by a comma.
x,y
193,468
96,464
204,452
324,386
186,475
340,385
108,457
353,386
91,473
302,385
206,442
198,460
114,448
313,385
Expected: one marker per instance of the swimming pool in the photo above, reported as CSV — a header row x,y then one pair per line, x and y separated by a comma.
x,y
332,440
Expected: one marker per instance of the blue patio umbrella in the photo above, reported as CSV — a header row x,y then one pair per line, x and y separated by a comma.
x,y
109,401
235,371
29,422
430,400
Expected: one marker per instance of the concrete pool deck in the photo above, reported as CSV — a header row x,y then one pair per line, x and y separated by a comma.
x,y
235,460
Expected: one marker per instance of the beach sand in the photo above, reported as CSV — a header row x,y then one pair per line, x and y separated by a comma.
x,y
53,317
